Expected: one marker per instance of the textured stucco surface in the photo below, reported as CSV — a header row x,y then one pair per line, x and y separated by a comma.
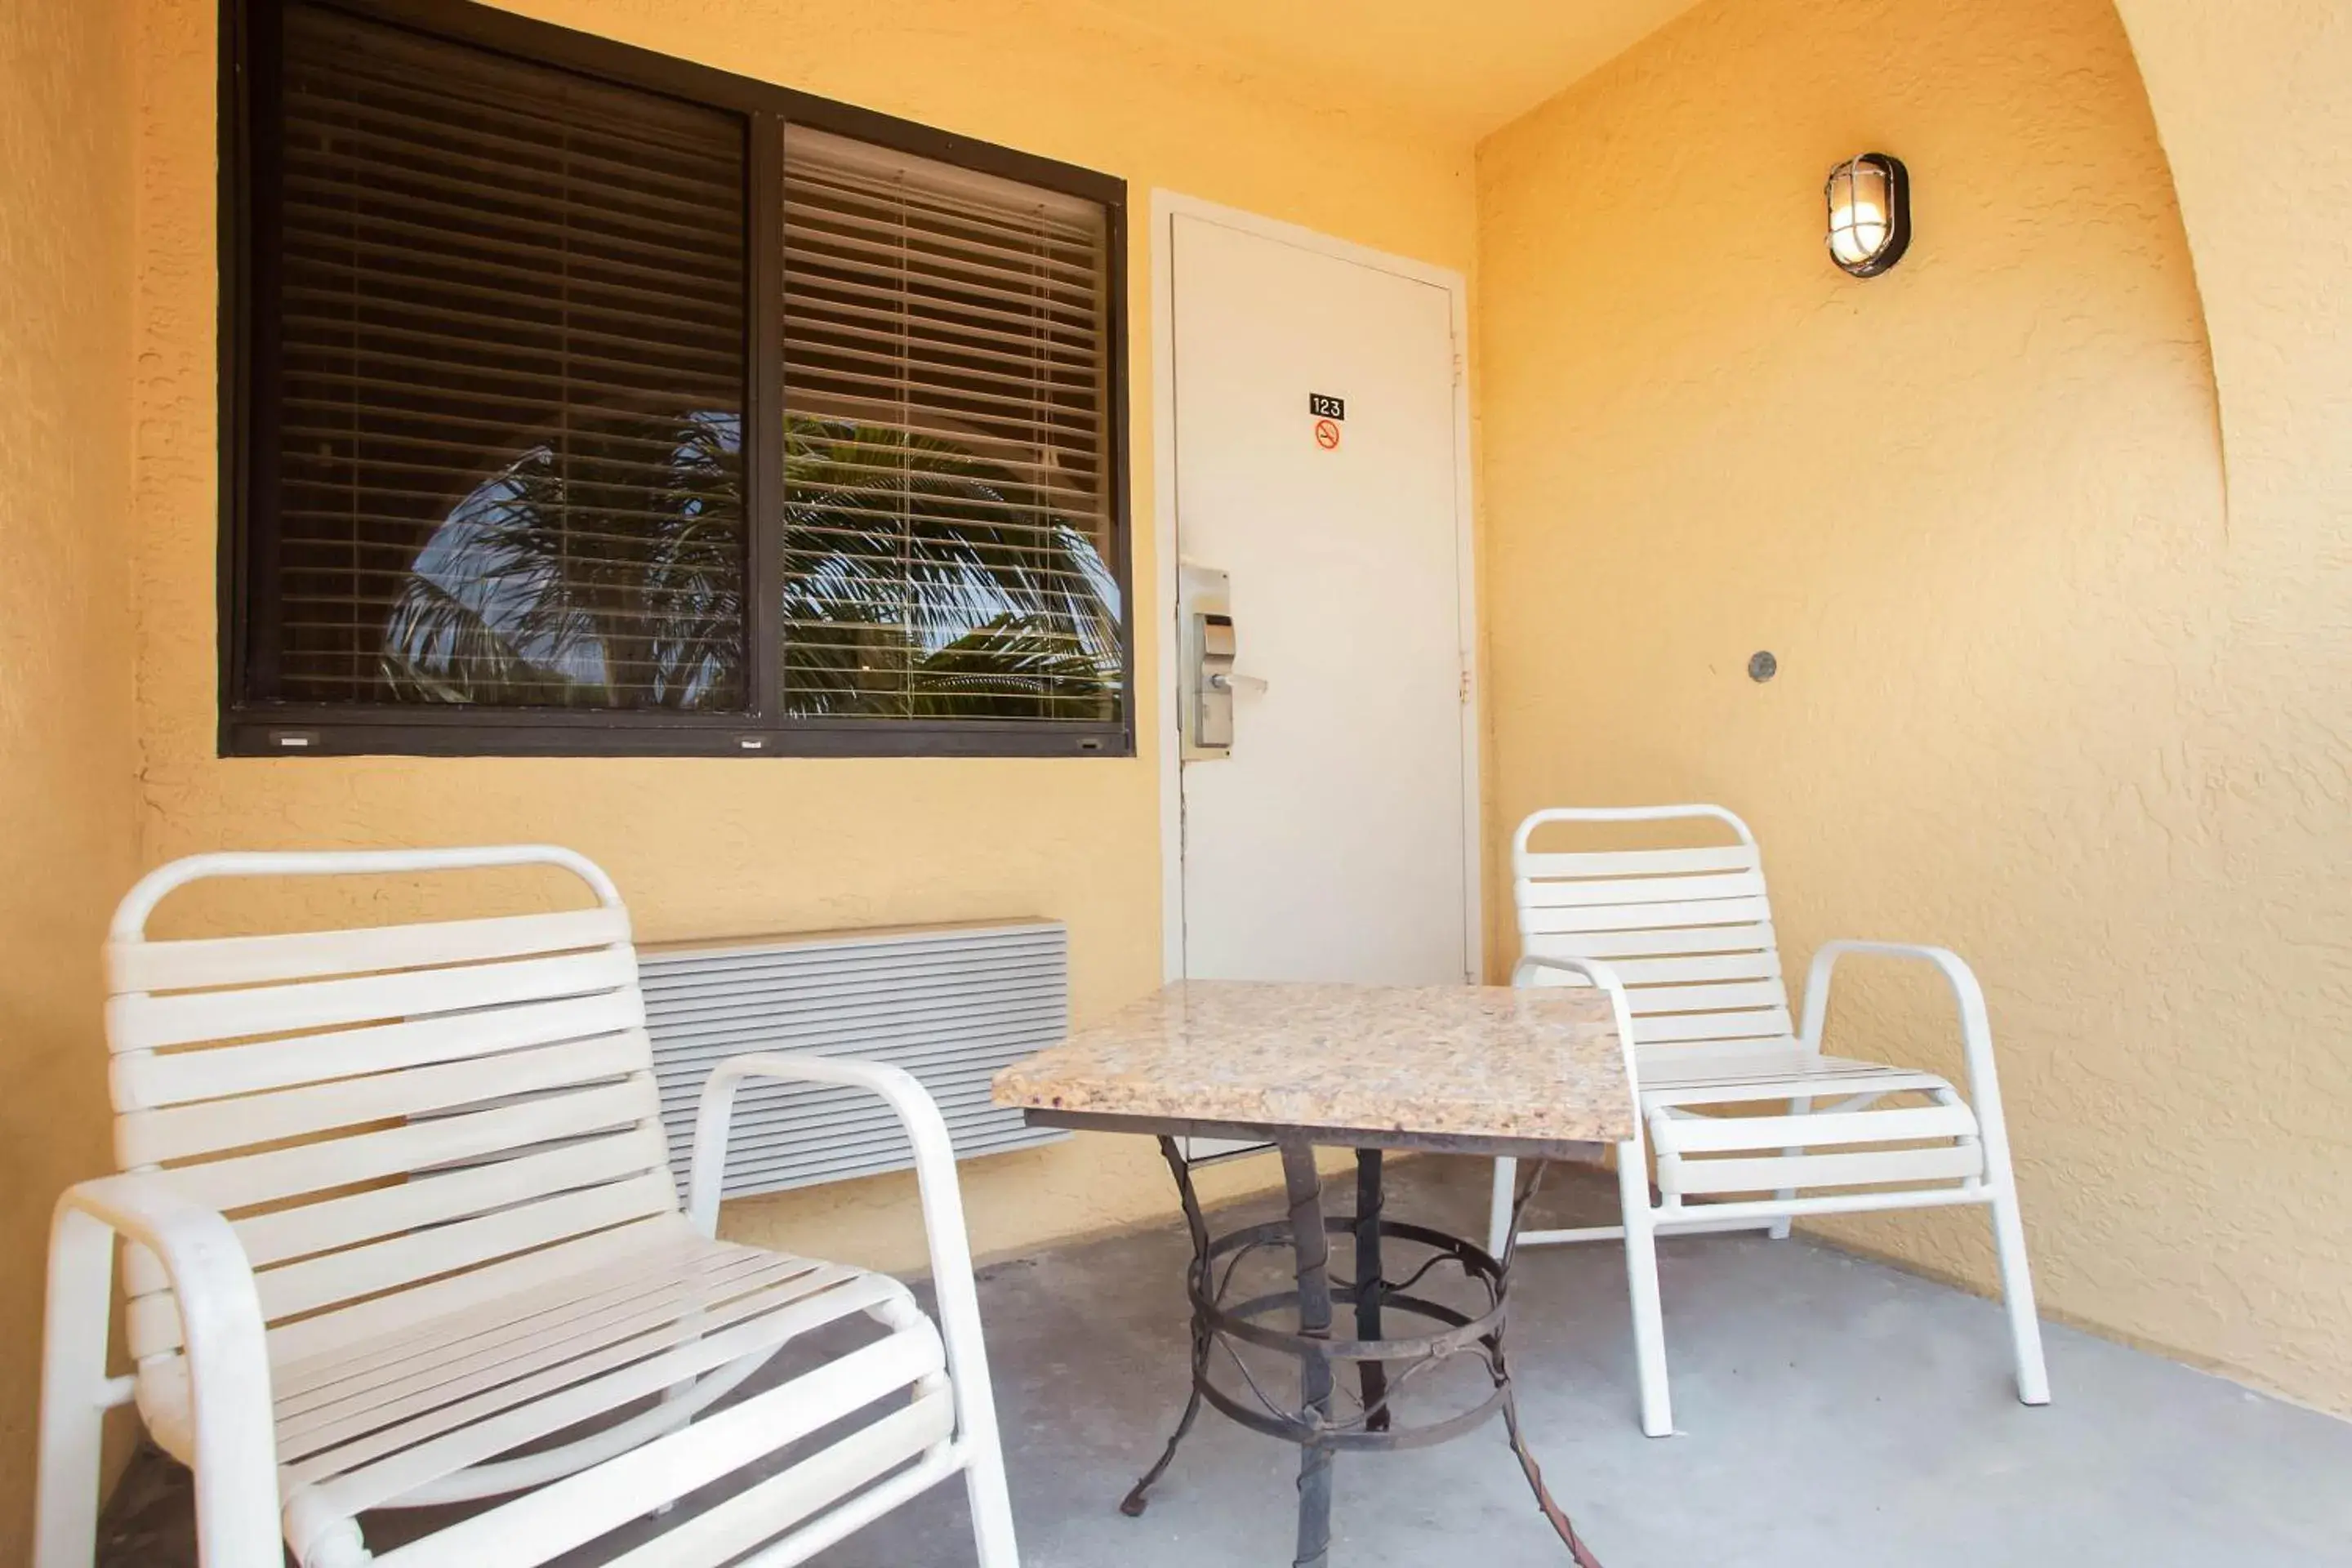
x,y
2042,697
2254,99
66,788
1415,62
706,848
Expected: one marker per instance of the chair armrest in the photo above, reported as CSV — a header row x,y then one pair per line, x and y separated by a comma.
x,y
221,1325
1967,996
1596,973
1966,993
220,1310
1589,970
925,1128
935,1175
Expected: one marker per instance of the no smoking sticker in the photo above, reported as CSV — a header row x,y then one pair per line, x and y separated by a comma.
x,y
1326,412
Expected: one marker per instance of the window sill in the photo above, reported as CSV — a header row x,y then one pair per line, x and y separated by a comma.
x,y
254,734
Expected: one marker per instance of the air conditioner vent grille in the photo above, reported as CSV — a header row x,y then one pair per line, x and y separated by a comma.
x,y
950,1003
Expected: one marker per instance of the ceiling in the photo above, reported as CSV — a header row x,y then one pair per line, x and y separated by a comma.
x,y
1464,67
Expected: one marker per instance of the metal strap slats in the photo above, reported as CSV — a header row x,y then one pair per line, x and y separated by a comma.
x,y
950,1004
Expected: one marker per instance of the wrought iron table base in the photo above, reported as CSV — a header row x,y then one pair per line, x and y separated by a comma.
x,y
1384,1365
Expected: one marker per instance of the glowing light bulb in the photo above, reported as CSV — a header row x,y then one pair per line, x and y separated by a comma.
x,y
1869,213
1859,233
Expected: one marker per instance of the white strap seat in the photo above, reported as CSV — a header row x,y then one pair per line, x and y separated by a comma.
x,y
427,1412
1727,1074
1710,1155
401,1233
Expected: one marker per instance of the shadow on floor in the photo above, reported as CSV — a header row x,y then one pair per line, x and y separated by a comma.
x,y
1835,1412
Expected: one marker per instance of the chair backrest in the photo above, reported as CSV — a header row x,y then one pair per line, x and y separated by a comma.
x,y
398,1119
1687,928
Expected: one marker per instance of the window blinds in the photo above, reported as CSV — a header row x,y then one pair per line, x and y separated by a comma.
x,y
588,400
947,535
503,417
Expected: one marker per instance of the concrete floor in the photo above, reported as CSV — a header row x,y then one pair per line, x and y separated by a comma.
x,y
1835,1412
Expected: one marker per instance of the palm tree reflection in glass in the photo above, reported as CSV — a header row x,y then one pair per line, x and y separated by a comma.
x,y
921,581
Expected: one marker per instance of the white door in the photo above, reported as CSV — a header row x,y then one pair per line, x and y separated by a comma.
x,y
1315,468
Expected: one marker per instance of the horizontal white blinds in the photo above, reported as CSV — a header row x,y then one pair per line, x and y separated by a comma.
x,y
505,389
947,537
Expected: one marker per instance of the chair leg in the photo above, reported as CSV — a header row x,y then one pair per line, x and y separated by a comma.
x,y
1801,1105
966,1358
73,1405
1498,1209
2017,1295
992,1507
1642,1287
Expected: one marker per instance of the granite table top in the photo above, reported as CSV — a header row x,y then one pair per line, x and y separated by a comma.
x,y
1454,1065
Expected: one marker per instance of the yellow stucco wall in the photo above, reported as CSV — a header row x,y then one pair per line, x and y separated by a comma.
x,y
738,846
2042,698
67,787
2254,99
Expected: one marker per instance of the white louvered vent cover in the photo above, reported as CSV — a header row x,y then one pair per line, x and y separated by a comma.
x,y
950,1004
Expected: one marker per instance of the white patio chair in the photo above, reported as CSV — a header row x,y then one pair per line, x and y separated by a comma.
x,y
400,1231
1682,940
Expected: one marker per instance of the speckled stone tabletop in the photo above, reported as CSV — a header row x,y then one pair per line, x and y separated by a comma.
x,y
1455,1061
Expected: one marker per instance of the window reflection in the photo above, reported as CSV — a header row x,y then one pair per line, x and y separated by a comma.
x,y
600,569
922,581
919,580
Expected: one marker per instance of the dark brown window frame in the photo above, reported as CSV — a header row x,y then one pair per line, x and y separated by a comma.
x,y
255,728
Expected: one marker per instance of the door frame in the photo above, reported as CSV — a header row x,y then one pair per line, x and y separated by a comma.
x,y
1167,642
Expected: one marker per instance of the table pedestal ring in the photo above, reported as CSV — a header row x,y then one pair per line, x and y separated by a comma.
x,y
1324,1421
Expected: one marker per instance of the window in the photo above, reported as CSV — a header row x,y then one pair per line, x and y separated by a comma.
x,y
944,474
579,400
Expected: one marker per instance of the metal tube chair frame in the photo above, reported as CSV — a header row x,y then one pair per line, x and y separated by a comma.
x,y
399,1229
1682,941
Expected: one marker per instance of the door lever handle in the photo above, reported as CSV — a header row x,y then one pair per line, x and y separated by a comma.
x,y
1225,682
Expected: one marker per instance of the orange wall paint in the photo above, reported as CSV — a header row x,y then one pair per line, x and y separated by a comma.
x,y
67,790
2254,99
2041,698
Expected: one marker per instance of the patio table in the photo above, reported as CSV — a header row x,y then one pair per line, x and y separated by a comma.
x,y
1489,1070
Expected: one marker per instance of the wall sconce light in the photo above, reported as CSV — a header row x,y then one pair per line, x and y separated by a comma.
x,y
1869,213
